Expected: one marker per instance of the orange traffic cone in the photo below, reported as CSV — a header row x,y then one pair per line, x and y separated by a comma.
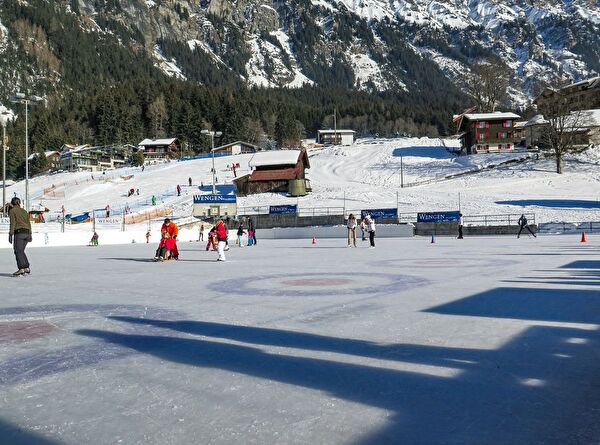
x,y
583,238
314,241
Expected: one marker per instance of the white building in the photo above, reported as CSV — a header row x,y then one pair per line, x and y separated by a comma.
x,y
335,137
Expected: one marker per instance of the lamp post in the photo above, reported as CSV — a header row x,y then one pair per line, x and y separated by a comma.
x,y
4,118
22,98
212,135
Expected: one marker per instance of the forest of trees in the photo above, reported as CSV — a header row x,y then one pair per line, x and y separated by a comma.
x,y
111,93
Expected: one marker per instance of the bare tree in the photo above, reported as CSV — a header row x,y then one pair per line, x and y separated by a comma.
x,y
564,130
488,85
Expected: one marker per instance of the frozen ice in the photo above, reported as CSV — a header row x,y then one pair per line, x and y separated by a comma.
x,y
488,340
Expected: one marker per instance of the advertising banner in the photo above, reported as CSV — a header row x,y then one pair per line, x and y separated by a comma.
x,y
283,210
380,213
436,217
215,199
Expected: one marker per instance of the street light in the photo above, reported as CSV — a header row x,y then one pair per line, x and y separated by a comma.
x,y
212,135
22,98
5,116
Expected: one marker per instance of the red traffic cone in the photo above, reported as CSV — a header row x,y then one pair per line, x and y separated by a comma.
x,y
583,238
314,240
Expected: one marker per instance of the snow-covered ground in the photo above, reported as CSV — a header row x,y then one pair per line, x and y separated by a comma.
x,y
332,345
365,175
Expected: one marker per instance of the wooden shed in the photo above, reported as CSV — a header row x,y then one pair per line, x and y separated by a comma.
x,y
272,172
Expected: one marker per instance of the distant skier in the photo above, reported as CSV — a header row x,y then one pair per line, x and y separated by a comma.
x,y
107,210
19,234
370,227
178,190
190,181
460,225
153,200
523,225
143,168
351,230
222,239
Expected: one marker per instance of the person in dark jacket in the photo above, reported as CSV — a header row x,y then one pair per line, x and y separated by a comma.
x,y
523,225
240,235
19,235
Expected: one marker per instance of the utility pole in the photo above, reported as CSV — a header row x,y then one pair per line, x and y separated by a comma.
x,y
335,126
212,135
22,98
401,172
4,116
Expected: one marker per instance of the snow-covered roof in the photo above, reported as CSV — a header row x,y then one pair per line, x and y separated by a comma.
x,y
46,153
276,157
537,120
152,142
584,119
491,116
336,131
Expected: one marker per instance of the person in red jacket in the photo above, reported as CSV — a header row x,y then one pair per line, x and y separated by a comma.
x,y
222,239
212,239
165,248
171,228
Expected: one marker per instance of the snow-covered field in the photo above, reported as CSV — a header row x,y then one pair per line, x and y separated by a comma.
x,y
332,345
365,175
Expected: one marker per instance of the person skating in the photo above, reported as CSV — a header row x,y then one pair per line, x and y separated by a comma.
x,y
363,230
201,233
190,181
165,248
19,235
212,239
252,229
222,239
370,227
351,230
94,240
240,235
523,225
461,222
171,228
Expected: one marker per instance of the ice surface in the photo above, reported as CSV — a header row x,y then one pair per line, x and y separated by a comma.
x,y
485,340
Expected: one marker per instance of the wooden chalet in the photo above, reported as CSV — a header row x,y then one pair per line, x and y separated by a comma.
x,y
157,150
487,132
273,171
236,148
584,95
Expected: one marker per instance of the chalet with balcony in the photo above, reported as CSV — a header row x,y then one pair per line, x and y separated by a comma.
x,y
160,150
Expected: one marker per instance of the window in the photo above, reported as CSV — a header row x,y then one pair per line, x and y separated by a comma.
x,y
502,135
482,124
508,124
480,136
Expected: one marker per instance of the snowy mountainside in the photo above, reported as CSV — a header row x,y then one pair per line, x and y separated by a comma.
x,y
375,45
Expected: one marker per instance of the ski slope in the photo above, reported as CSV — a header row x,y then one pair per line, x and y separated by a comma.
x,y
365,175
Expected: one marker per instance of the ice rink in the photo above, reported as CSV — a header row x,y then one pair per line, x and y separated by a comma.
x,y
488,340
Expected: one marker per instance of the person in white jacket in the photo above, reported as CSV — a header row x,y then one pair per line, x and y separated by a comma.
x,y
370,226
351,230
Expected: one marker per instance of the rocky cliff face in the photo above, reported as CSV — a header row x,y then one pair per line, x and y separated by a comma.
x,y
365,44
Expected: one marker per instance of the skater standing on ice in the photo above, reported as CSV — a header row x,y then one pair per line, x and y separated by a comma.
x,y
363,229
190,181
172,230
240,234
251,229
523,225
19,235
201,233
370,227
351,230
461,222
222,239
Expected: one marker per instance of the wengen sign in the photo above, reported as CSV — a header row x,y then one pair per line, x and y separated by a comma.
x,y
215,199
